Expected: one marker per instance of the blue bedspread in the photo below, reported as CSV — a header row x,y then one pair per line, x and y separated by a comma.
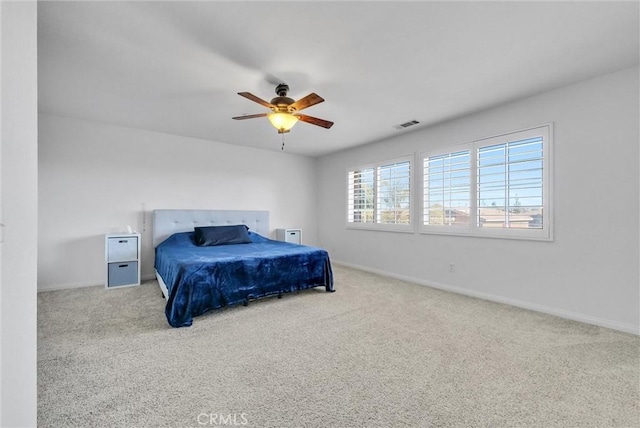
x,y
203,278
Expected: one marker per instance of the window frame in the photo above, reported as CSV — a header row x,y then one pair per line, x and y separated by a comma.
x,y
543,234
375,225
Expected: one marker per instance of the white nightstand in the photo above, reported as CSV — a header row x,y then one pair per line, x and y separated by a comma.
x,y
289,235
122,260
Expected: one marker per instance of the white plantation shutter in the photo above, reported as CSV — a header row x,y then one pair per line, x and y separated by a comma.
x,y
511,185
447,189
360,202
394,193
379,195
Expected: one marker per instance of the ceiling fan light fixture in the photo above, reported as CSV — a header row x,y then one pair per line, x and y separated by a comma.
x,y
283,122
285,111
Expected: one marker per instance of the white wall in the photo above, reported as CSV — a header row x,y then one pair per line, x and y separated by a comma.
x,y
18,178
590,271
95,177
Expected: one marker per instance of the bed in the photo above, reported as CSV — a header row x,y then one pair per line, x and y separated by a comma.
x,y
195,279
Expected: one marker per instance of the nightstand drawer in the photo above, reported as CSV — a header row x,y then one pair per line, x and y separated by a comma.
x,y
122,273
293,236
122,249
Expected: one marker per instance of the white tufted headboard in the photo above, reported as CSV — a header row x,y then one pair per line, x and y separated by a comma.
x,y
168,222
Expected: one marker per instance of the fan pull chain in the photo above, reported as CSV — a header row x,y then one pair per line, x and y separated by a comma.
x,y
282,141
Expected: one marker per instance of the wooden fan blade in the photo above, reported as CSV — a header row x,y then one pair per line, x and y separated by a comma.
x,y
314,121
308,101
252,97
249,116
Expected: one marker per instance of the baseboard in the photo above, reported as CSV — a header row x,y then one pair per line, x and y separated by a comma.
x,y
575,316
54,287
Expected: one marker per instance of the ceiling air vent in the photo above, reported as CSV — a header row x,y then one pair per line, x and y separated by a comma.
x,y
406,124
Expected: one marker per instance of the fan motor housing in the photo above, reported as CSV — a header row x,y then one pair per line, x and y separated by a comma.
x,y
282,101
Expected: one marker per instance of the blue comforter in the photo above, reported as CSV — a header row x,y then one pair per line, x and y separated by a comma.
x,y
203,278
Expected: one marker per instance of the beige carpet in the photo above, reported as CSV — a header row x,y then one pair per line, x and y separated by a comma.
x,y
377,353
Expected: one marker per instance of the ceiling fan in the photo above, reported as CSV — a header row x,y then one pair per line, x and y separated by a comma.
x,y
285,110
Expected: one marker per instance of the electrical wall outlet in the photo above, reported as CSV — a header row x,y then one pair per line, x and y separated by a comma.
x,y
452,267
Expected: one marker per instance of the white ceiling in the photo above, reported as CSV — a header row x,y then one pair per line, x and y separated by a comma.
x,y
176,67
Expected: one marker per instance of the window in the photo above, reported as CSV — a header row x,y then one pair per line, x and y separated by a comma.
x,y
497,187
510,185
447,187
361,192
379,195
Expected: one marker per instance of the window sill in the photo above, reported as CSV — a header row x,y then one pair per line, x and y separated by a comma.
x,y
504,235
381,228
